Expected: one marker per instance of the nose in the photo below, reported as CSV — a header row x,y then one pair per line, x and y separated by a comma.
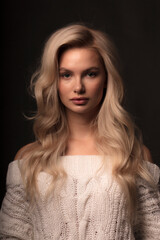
x,y
79,87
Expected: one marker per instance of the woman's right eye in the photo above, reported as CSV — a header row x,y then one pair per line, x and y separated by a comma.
x,y
65,75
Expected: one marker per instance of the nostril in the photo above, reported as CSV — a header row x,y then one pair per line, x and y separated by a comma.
x,y
79,90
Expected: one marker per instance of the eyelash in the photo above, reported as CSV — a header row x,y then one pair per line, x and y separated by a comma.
x,y
64,75
90,74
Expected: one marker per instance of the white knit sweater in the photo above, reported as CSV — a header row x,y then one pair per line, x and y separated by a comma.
x,y
88,207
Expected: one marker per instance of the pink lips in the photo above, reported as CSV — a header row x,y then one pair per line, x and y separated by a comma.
x,y
80,101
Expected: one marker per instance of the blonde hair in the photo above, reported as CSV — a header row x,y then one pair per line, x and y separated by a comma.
x,y
116,133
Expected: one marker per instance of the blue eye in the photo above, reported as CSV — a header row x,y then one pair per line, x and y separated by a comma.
x,y
65,75
92,74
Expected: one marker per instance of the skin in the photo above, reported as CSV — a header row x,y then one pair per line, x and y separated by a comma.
x,y
77,82
81,74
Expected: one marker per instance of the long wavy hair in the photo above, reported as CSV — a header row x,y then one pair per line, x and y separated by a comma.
x,y
116,132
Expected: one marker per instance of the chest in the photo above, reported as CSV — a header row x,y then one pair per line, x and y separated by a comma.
x,y
84,207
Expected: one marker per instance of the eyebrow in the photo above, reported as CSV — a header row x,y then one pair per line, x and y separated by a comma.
x,y
86,70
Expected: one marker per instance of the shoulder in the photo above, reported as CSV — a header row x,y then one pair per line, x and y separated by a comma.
x,y
22,152
154,171
14,173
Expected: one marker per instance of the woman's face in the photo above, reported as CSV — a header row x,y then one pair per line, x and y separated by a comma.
x,y
82,80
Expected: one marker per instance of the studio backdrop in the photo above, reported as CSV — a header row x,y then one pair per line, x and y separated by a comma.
x,y
133,25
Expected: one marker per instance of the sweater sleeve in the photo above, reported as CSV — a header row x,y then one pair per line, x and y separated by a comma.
x,y
15,222
148,214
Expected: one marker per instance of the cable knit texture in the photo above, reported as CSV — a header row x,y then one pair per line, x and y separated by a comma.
x,y
89,206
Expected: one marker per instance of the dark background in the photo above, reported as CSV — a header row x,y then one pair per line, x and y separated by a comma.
x,y
134,26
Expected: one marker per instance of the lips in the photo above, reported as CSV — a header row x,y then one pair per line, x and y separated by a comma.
x,y
80,101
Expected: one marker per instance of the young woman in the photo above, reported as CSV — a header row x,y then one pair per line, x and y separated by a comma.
x,y
87,175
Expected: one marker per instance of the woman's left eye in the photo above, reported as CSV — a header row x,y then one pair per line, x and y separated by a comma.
x,y
92,74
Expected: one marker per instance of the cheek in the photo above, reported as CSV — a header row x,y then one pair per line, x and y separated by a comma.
x,y
62,89
98,89
64,92
98,93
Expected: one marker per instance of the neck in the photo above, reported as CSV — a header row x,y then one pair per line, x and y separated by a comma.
x,y
80,125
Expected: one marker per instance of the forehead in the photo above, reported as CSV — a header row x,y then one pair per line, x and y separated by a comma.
x,y
80,57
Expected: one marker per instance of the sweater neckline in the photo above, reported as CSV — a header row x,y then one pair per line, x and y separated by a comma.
x,y
82,165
